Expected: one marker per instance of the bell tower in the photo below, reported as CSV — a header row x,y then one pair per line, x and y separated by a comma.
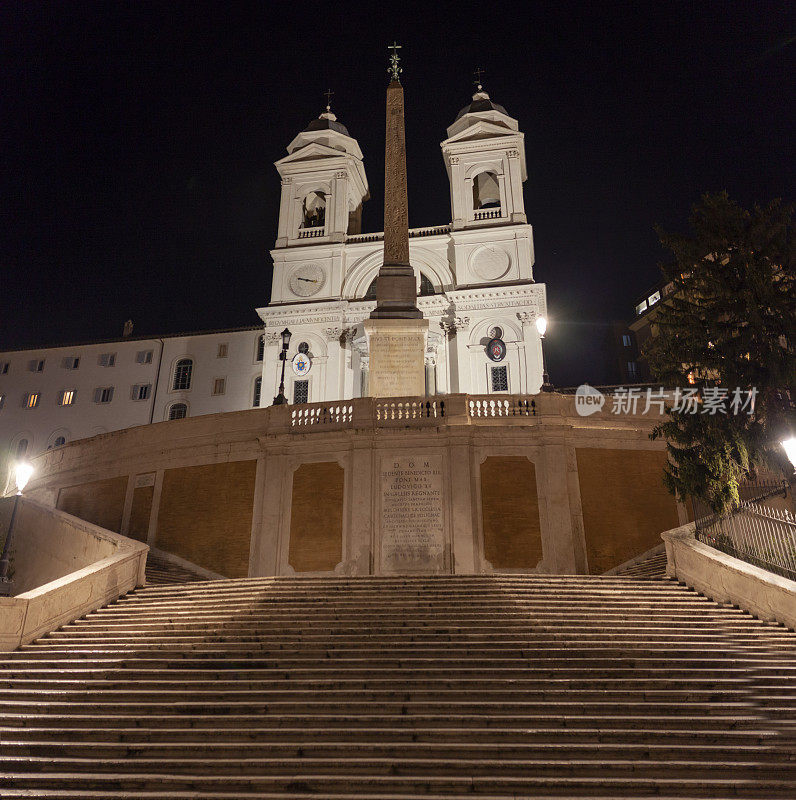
x,y
323,184
485,159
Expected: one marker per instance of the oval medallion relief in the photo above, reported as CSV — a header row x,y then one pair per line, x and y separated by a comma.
x,y
490,263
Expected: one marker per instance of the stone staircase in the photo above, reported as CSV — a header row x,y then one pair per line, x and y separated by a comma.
x,y
161,572
492,687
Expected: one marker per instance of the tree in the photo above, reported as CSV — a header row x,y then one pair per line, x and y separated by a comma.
x,y
729,322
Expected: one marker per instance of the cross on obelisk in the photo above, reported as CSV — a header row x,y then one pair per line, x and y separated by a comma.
x,y
396,329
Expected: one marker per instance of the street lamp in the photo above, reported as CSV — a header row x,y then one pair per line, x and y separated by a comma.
x,y
280,399
22,472
541,326
790,449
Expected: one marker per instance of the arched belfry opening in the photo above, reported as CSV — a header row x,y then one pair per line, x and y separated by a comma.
x,y
486,191
314,209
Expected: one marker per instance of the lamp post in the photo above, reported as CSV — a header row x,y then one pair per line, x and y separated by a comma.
x,y
541,326
280,399
22,473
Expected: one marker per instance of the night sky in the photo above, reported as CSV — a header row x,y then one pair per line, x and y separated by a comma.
x,y
138,141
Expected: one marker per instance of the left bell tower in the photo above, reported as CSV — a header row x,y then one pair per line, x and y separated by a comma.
x,y
323,185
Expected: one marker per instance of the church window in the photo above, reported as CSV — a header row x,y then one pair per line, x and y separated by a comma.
x,y
500,379
103,394
496,332
486,191
22,448
143,357
260,348
178,411
107,359
314,210
182,374
58,442
223,349
258,386
66,397
304,348
31,400
36,365
219,386
301,392
141,391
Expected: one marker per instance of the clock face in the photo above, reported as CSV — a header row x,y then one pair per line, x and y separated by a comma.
x,y
307,280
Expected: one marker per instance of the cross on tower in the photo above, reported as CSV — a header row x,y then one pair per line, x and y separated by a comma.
x,y
394,70
478,72
328,94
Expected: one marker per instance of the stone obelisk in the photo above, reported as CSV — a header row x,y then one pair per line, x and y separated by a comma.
x,y
396,330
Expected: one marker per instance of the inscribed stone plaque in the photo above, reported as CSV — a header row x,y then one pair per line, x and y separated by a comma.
x,y
396,349
412,516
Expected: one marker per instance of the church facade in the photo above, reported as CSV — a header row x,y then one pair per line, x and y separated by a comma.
x,y
474,275
475,284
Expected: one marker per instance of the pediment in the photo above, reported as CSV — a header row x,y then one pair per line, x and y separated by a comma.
x,y
483,129
311,152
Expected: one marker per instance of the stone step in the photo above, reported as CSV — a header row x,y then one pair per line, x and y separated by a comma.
x,y
371,785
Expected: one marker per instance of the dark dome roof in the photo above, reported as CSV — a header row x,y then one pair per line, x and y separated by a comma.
x,y
322,124
481,105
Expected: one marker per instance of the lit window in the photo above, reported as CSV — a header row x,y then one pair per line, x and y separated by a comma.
x,y
36,365
223,348
219,386
182,374
500,379
71,362
632,370
103,394
178,411
260,348
143,357
107,359
258,386
301,392
31,400
141,391
626,340
66,397
653,298
641,307
3,367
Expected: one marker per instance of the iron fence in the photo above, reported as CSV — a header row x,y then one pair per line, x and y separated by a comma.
x,y
755,530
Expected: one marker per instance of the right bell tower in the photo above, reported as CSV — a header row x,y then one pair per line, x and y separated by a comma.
x,y
485,159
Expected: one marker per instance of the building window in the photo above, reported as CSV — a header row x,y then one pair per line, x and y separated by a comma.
x,y
626,340
426,287
258,386
178,411
66,397
103,394
31,400
500,379
182,374
22,448
107,359
314,210
260,348
57,442
222,350
2,400
496,332
36,365
144,357
141,391
219,386
304,348
632,370
641,307
301,392
653,298
3,367
486,191
71,362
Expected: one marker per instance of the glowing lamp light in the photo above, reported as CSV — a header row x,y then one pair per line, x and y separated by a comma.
x,y
790,449
22,473
541,325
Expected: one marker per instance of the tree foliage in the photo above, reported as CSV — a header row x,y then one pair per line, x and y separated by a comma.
x,y
729,321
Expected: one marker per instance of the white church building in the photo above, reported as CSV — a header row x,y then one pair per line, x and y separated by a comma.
x,y
475,284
